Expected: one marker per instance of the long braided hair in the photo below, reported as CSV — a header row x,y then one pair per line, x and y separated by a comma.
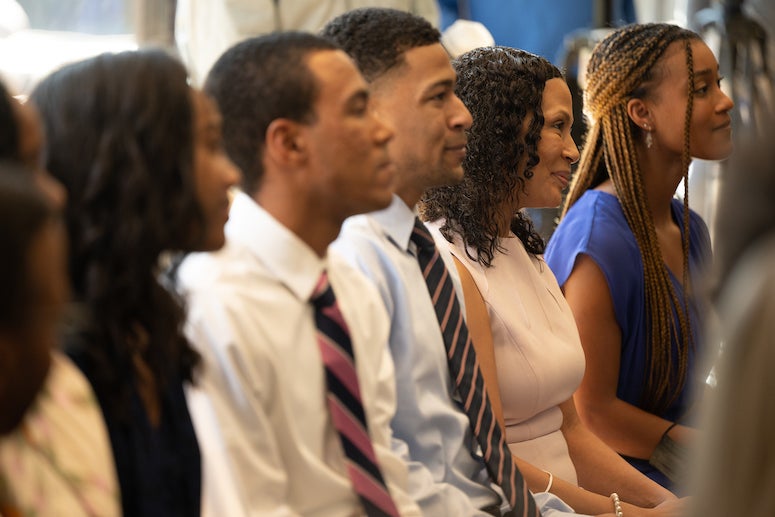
x,y
622,67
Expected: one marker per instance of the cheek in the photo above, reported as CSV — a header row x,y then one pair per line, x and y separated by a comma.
x,y
201,174
428,135
354,147
701,126
208,190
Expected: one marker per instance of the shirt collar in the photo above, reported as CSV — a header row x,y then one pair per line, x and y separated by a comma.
x,y
280,251
397,221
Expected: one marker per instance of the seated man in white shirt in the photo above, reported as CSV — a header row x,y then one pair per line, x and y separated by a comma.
x,y
297,119
413,88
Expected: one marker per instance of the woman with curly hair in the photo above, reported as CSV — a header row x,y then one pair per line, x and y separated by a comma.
x,y
627,254
140,155
519,155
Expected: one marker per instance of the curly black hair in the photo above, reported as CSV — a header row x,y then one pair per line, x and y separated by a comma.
x,y
501,87
377,38
257,81
119,137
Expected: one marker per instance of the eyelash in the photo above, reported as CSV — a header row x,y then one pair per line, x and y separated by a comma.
x,y
558,125
704,89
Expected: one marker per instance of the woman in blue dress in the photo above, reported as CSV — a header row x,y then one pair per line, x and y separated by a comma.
x,y
626,253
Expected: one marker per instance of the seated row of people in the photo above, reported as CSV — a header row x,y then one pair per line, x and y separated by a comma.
x,y
346,364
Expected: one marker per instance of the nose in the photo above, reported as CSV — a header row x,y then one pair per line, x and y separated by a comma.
x,y
232,174
460,117
725,103
571,150
383,132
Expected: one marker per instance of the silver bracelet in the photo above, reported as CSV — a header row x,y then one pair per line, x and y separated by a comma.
x,y
617,505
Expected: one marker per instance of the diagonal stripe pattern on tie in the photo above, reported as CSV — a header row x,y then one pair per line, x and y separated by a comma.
x,y
345,405
464,368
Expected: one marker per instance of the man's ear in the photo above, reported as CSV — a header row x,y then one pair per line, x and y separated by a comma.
x,y
638,111
285,142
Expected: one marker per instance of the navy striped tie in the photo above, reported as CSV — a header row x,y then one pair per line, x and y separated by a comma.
x,y
345,405
464,368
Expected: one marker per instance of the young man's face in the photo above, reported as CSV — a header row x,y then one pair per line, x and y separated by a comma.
x,y
348,143
418,99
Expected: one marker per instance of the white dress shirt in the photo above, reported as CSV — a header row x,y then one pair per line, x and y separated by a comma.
x,y
250,318
433,434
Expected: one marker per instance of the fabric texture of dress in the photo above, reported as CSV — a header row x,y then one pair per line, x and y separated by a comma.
x,y
538,353
595,226
159,467
58,462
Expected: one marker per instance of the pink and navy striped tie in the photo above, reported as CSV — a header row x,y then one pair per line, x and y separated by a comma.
x,y
464,368
345,405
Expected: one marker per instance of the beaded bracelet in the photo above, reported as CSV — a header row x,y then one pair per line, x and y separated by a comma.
x,y
617,505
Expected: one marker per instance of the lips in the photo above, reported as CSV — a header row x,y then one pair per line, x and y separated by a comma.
x,y
563,177
726,125
224,209
387,168
459,151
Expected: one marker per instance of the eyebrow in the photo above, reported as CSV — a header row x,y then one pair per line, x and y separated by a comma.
x,y
563,113
446,83
705,71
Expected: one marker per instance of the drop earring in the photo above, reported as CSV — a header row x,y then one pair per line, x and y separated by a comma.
x,y
649,138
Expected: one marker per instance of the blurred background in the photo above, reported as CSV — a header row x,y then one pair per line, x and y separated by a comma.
x,y
37,36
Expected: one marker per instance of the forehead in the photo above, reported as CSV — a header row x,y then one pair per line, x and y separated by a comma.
x,y
703,57
336,76
28,119
205,110
422,67
556,96
673,62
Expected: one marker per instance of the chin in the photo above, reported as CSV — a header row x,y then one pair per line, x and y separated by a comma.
x,y
372,204
553,202
213,243
456,175
383,201
721,150
717,154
